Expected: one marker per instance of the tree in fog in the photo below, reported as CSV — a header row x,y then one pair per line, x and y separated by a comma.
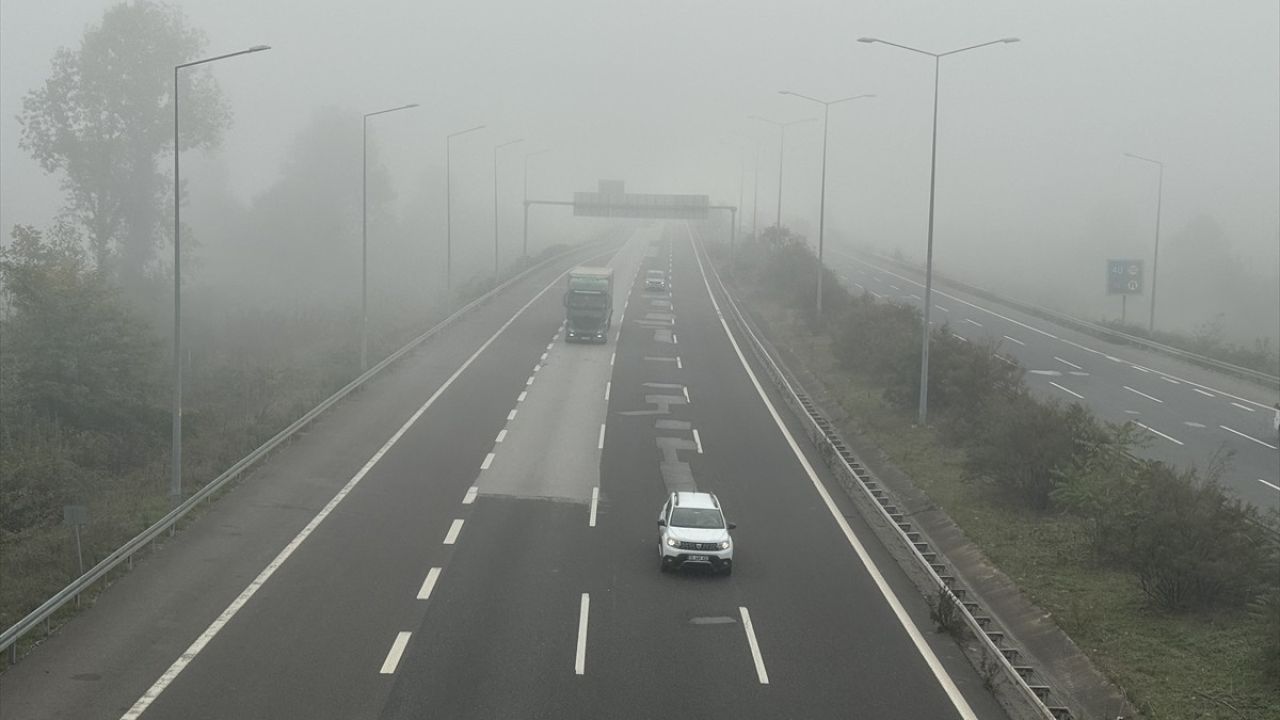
x,y
104,120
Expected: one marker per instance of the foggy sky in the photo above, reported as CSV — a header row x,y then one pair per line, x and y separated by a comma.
x,y
657,93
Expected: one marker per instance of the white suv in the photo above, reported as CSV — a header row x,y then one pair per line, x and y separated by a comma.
x,y
693,531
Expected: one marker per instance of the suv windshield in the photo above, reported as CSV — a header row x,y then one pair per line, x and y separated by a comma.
x,y
709,518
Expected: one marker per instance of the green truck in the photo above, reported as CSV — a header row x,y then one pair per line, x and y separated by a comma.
x,y
588,304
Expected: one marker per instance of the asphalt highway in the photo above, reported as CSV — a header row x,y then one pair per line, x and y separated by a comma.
x,y
1189,414
493,554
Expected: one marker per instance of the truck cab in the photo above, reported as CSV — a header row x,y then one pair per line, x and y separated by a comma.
x,y
588,303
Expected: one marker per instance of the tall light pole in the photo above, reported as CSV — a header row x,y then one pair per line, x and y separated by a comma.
x,y
524,245
496,148
782,141
175,479
1155,261
448,210
364,233
755,196
933,171
822,199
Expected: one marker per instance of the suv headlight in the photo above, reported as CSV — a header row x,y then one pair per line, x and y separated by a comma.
x,y
724,544
673,542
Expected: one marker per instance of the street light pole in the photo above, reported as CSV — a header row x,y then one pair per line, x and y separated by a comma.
x,y
175,479
782,140
524,246
922,415
364,233
1155,262
448,210
822,199
496,148
755,196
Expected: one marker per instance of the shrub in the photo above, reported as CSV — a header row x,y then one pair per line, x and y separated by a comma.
x,y
879,341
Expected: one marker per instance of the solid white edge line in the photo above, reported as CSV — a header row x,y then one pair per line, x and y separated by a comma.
x,y
1245,408
1139,392
608,385
697,439
216,626
595,499
1065,390
424,593
750,629
1270,485
470,497
393,655
922,646
452,536
580,655
488,460
1157,432
1248,437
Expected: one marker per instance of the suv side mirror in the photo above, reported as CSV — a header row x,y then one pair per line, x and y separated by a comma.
x,y
733,526
661,522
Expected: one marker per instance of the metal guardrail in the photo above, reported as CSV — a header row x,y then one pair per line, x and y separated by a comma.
x,y
857,481
10,637
1092,327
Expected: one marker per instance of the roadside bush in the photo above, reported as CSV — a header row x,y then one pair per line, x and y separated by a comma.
x,y
1019,445
878,341
1267,608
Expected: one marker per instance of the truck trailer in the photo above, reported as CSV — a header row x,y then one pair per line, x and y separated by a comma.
x,y
588,303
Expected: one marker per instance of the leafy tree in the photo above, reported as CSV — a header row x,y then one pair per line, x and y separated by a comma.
x,y
104,119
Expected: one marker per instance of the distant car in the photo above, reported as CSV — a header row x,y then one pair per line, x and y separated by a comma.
x,y
655,280
693,531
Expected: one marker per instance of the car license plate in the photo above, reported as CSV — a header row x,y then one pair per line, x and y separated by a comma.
x,y
698,558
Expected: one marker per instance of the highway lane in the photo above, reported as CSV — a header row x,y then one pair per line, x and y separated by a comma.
x,y
1189,414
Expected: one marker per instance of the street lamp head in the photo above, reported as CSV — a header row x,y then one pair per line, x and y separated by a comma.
x,y
259,48
1010,40
868,40
785,92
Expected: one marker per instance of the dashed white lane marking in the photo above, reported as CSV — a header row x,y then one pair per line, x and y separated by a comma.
x,y
685,389
595,500
958,337
488,460
894,287
1206,394
600,442
612,358
1003,359
1065,390
393,655
529,382
608,385
1248,437
1139,392
543,358
1014,340
1170,380
198,645
755,646
900,613
875,294
1139,368
679,363
520,398
674,339
1157,432
470,497
1068,363
941,309
1245,408
1273,486
550,345
511,415
697,440
580,655
1078,346
914,296
429,584
859,286
502,435
973,322
1190,423
452,536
